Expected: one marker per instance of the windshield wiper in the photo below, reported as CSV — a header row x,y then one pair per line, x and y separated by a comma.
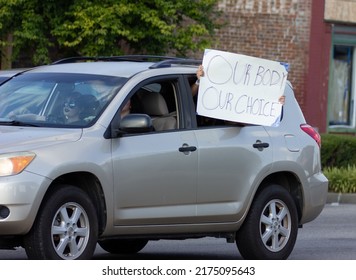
x,y
16,123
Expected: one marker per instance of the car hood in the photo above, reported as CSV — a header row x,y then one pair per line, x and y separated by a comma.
x,y
14,139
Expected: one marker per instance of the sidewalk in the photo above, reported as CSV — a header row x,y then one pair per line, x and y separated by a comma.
x,y
341,198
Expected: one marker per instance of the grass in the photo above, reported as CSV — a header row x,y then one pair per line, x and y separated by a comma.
x,y
341,179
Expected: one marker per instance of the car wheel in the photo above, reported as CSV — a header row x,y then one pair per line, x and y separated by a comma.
x,y
271,226
123,246
66,227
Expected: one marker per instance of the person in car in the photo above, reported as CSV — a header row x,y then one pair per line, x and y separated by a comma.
x,y
73,107
195,86
126,110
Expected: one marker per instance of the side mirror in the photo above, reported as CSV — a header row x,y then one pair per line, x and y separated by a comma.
x,y
132,123
136,123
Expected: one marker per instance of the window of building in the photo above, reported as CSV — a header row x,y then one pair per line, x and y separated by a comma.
x,y
341,86
342,80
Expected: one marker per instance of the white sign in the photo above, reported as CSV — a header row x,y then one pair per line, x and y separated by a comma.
x,y
241,88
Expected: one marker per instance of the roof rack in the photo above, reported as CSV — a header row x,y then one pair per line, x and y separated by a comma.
x,y
177,61
161,61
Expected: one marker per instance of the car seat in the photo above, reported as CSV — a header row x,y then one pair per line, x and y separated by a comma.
x,y
155,106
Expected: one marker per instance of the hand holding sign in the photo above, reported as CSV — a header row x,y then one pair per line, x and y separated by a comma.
x,y
241,88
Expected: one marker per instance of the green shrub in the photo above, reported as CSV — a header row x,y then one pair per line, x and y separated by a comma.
x,y
341,179
338,150
338,160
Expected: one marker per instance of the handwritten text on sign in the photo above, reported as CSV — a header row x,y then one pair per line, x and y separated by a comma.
x,y
241,88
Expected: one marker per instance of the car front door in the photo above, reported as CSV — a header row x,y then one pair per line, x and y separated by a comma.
x,y
155,174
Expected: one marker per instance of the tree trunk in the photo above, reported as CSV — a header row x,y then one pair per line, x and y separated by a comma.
x,y
6,52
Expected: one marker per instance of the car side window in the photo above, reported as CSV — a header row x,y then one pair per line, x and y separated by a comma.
x,y
203,121
158,100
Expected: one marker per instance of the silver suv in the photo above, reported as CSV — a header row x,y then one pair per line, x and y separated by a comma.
x,y
77,171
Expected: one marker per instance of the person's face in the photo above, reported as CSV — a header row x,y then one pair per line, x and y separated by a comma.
x,y
71,109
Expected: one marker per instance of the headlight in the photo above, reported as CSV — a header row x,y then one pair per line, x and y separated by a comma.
x,y
12,164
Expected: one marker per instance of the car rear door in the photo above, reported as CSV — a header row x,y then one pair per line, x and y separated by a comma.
x,y
232,160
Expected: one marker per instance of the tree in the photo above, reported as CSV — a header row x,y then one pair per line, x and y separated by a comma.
x,y
29,24
7,14
47,30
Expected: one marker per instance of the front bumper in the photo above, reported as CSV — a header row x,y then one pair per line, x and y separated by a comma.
x,y
20,199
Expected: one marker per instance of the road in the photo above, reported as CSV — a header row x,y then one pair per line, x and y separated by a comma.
x,y
332,236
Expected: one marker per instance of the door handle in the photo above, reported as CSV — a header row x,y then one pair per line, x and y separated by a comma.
x,y
259,145
186,149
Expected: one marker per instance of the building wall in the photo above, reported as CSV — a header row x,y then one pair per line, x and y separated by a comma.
x,y
340,11
271,29
317,80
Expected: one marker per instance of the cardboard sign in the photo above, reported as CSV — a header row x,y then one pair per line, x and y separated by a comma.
x,y
241,88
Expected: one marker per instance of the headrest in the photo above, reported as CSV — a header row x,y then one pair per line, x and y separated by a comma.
x,y
154,104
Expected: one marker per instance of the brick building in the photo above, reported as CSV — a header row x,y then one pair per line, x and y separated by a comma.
x,y
316,37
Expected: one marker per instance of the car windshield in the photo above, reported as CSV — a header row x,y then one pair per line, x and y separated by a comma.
x,y
56,99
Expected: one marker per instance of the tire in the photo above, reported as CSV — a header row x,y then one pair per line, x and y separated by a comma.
x,y
123,246
271,226
66,227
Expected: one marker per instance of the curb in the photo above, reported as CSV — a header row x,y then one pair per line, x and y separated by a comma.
x,y
337,198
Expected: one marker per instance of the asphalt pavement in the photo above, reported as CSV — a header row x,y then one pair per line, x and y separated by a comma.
x,y
330,236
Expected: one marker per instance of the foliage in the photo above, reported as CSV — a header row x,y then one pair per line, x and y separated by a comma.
x,y
341,180
338,150
48,28
338,159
